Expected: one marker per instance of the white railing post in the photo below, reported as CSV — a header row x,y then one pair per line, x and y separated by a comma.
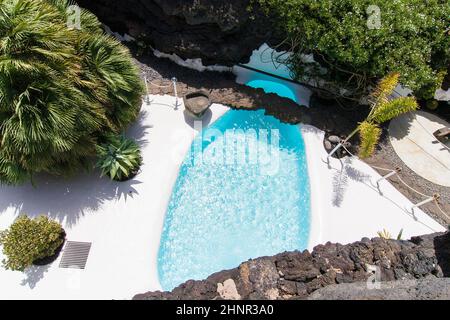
x,y
147,97
385,177
339,145
174,81
434,197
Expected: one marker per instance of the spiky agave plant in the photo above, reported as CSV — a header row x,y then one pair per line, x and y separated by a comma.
x,y
119,158
60,89
383,109
387,235
384,234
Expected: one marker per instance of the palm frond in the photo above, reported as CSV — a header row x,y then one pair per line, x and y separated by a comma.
x,y
60,89
392,109
384,88
369,136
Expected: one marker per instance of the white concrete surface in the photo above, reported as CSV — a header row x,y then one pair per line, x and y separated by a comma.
x,y
124,220
411,136
194,64
269,60
274,62
124,228
442,95
346,205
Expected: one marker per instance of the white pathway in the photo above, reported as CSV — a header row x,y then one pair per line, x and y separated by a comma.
x,y
124,220
346,203
411,136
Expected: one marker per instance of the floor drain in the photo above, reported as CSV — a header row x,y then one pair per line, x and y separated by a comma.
x,y
75,255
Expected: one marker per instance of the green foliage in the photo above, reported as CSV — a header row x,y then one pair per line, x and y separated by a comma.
x,y
384,89
119,158
411,40
427,92
28,240
383,108
61,89
392,109
387,236
370,134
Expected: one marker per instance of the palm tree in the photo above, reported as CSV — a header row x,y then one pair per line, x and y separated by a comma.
x,y
383,108
61,89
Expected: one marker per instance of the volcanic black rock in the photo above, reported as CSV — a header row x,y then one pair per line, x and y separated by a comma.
x,y
219,32
420,266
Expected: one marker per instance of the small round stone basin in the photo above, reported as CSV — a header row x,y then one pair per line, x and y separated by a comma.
x,y
196,103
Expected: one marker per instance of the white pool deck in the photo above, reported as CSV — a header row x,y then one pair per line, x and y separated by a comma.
x,y
412,138
125,227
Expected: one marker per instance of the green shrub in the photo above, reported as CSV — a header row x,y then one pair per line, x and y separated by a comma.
x,y
383,108
427,92
28,240
119,158
411,39
60,89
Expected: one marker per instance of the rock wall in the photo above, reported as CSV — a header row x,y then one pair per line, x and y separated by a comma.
x,y
219,32
297,275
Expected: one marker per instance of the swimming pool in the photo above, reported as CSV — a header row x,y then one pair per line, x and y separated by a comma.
x,y
284,88
231,203
270,86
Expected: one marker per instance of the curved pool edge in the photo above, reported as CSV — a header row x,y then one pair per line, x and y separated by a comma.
x,y
297,142
314,152
217,110
353,219
301,94
321,209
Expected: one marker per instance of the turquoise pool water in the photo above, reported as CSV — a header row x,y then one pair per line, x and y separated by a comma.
x,y
242,192
270,84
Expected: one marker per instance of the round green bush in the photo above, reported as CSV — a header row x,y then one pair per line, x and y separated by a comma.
x,y
28,240
61,89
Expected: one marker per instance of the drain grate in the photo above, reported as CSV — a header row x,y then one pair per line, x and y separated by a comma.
x,y
75,255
